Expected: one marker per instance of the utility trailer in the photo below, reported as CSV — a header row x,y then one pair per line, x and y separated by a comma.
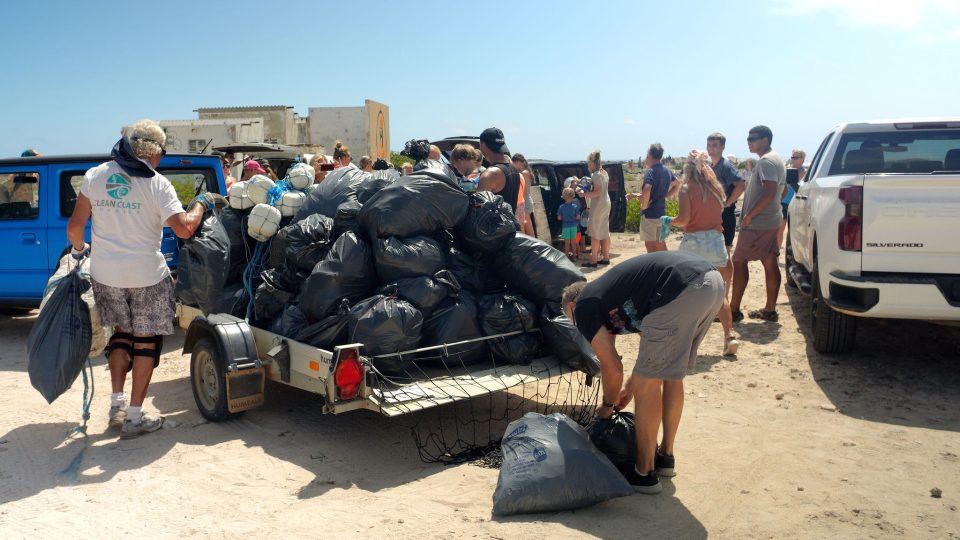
x,y
231,361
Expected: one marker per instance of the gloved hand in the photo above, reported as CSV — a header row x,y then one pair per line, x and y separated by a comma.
x,y
664,227
79,254
209,201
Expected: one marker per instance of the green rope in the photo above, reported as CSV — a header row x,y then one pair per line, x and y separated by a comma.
x,y
87,385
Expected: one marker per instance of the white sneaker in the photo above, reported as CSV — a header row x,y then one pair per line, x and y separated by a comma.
x,y
147,424
730,347
116,416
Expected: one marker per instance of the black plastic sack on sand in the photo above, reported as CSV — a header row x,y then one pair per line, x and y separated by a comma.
x,y
567,343
414,205
328,331
386,325
240,243
290,322
303,244
536,270
504,313
424,292
346,219
398,258
454,320
204,266
59,341
616,437
347,272
234,301
339,186
550,465
489,224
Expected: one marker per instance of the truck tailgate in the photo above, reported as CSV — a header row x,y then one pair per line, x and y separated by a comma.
x,y
911,223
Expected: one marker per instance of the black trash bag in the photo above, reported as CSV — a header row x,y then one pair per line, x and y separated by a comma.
x,y
398,258
268,302
504,313
424,292
489,225
416,149
437,170
234,301
347,272
472,271
241,244
204,266
346,219
563,339
549,465
377,181
536,270
303,244
339,186
454,320
290,322
328,331
386,325
59,341
616,437
413,205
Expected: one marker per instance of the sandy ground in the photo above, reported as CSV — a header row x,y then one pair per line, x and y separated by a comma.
x,y
779,442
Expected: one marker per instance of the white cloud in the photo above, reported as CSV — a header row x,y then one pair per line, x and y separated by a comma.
x,y
927,20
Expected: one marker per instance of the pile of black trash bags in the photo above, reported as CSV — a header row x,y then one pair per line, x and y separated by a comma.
x,y
395,263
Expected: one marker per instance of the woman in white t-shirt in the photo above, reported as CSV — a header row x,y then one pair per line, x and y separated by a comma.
x,y
130,202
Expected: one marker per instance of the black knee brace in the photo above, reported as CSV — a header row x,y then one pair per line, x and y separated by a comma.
x,y
115,344
154,353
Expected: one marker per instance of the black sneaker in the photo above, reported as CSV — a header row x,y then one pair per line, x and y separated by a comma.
x,y
664,466
648,484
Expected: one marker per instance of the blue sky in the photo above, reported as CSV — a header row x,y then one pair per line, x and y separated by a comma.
x,y
560,78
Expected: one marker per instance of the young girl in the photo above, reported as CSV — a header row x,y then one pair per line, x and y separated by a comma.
x,y
569,214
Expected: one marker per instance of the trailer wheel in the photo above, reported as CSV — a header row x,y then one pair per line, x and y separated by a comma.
x,y
208,379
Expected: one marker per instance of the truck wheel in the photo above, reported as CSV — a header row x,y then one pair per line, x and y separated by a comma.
x,y
789,261
208,379
833,332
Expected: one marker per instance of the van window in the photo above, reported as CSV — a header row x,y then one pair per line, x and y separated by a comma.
x,y
189,182
19,196
69,190
903,152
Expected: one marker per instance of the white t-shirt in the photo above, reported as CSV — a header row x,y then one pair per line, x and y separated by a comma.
x,y
129,213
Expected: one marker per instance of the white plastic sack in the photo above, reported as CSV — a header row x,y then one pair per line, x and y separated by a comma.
x,y
258,189
290,202
549,464
239,199
263,222
300,175
101,334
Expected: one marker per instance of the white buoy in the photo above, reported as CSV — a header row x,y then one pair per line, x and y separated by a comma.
x,y
239,199
263,222
300,176
258,187
290,202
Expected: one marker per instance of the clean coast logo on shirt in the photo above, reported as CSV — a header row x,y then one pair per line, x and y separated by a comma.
x,y
118,187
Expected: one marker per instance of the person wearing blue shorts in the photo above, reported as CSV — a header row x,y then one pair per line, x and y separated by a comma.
x,y
569,215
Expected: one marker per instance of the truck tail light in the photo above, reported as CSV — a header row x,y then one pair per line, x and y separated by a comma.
x,y
348,374
849,233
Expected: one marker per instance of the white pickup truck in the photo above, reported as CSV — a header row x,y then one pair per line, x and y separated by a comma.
x,y
875,228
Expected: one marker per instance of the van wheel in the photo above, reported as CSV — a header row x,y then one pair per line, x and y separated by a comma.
x,y
789,261
208,379
833,332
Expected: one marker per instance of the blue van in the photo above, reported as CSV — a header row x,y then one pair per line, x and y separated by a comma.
x,y
37,195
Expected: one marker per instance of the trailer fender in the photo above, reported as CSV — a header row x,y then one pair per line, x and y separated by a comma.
x,y
232,336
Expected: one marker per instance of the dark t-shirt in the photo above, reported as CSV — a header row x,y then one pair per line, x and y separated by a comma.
x,y
627,292
727,175
511,185
659,178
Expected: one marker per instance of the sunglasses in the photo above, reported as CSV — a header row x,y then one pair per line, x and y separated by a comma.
x,y
163,151
754,138
795,157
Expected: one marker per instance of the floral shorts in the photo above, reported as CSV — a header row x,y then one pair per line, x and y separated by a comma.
x,y
142,311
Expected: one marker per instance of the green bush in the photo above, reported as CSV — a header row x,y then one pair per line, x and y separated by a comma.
x,y
633,213
398,160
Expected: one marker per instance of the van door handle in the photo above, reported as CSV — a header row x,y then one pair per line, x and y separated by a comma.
x,y
801,197
29,238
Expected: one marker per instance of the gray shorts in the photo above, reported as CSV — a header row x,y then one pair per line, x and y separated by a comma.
x,y
671,334
650,229
142,311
